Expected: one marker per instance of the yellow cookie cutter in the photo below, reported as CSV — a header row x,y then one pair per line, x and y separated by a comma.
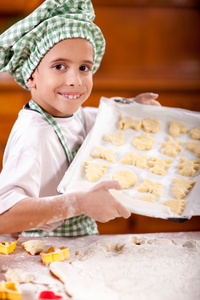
x,y
10,291
7,247
55,254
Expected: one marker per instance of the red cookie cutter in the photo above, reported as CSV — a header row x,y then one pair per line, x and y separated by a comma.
x,y
49,295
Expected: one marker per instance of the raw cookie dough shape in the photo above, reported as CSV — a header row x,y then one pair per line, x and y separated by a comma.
x,y
143,142
133,158
158,165
188,167
94,170
100,152
117,138
171,147
148,198
33,246
18,275
176,205
194,147
181,187
125,177
195,133
151,125
150,186
128,122
175,128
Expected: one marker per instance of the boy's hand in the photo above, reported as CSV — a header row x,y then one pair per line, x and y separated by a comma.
x,y
147,98
100,205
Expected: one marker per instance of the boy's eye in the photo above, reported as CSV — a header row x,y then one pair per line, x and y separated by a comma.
x,y
85,68
59,67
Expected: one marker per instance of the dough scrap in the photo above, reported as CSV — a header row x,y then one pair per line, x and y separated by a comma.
x,y
175,128
188,167
94,170
181,187
33,246
150,186
148,198
117,138
158,165
151,125
194,147
18,275
176,205
128,122
143,142
126,178
133,158
195,133
171,147
100,152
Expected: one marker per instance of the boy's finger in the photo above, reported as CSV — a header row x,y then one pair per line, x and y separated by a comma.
x,y
124,212
113,184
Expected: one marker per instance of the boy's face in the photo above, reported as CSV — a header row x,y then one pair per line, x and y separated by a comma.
x,y
63,79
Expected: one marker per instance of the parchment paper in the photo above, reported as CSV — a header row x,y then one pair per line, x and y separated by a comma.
x,y
106,122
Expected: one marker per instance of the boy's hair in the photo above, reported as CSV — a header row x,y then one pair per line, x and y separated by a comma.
x,y
24,44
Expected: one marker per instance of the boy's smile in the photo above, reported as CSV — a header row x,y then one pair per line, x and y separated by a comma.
x,y
62,82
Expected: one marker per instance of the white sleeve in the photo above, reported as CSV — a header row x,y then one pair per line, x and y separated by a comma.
x,y
18,179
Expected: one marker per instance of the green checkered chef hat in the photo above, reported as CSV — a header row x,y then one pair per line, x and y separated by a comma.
x,y
24,44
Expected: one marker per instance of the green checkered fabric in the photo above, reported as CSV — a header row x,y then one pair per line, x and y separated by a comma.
x,y
75,226
24,44
70,154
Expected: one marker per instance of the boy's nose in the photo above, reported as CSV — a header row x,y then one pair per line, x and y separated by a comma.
x,y
73,78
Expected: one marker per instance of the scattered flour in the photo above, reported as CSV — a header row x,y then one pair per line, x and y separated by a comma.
x,y
133,268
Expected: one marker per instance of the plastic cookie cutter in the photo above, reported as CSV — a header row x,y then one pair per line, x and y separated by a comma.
x,y
55,254
7,247
10,291
48,295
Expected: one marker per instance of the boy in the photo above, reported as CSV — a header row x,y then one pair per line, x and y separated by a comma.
x,y
53,53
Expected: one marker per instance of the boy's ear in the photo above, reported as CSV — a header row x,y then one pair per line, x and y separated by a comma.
x,y
31,82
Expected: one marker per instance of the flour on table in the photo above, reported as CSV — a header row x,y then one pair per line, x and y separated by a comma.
x,y
132,268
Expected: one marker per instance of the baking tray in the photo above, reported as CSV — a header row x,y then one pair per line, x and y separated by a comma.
x,y
106,122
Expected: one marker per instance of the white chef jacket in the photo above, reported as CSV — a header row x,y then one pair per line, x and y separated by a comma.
x,y
34,160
